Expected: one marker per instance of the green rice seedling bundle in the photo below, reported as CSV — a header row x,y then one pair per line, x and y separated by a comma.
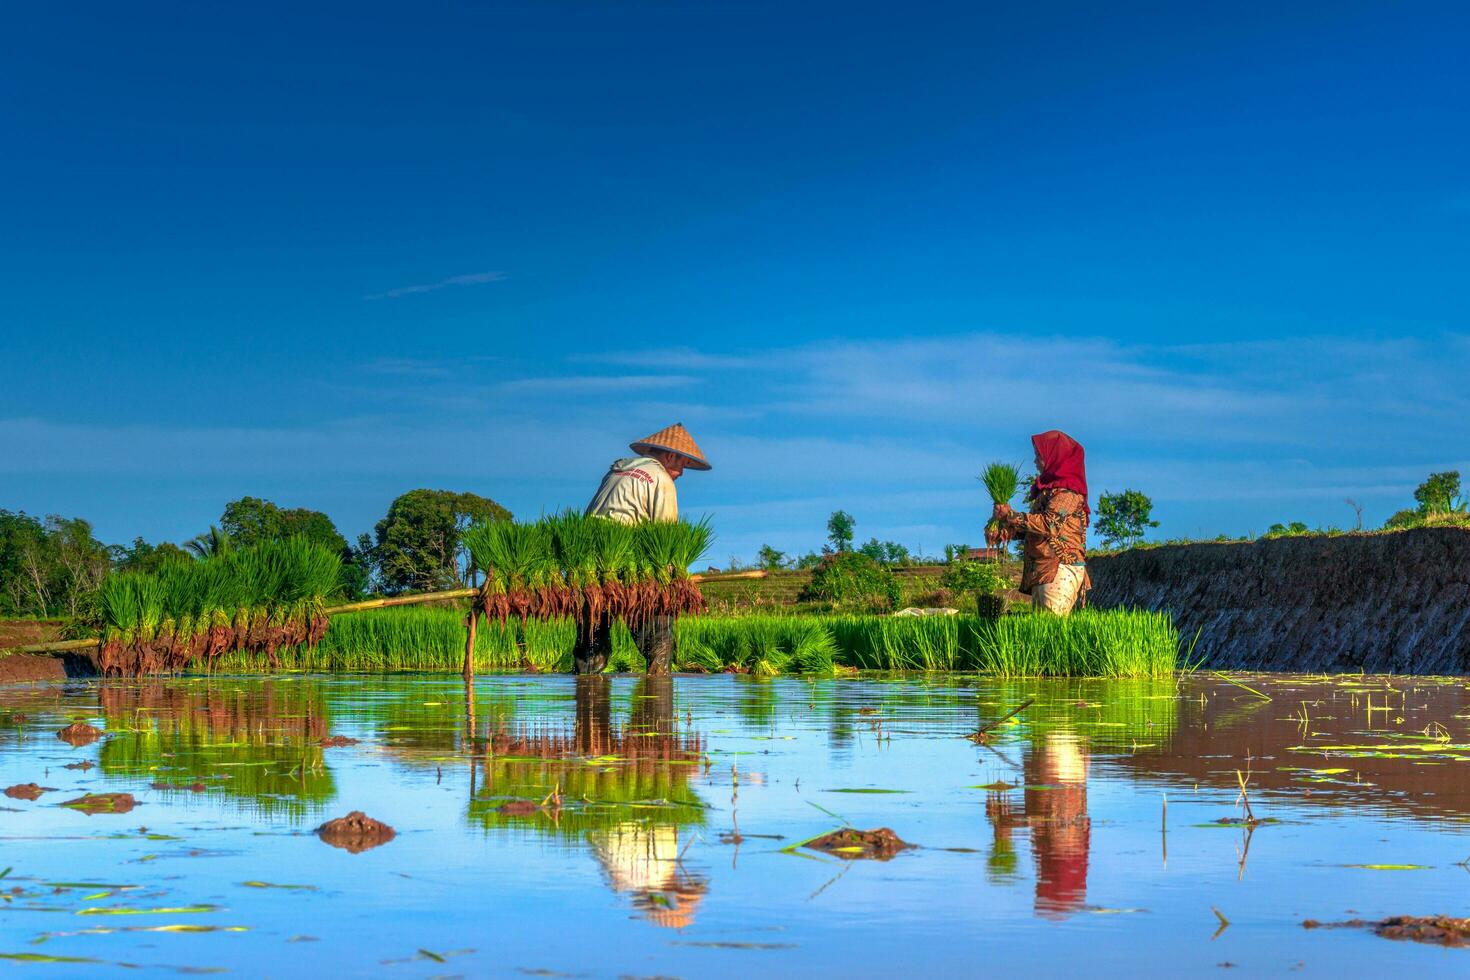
x,y
1001,481
574,565
261,597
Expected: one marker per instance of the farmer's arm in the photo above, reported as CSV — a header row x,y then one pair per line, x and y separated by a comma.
x,y
1016,522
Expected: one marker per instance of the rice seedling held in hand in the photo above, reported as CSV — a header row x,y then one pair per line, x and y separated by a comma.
x,y
1001,482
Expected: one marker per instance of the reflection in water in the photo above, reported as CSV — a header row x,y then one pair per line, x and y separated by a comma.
x,y
1054,810
255,742
626,792
1061,830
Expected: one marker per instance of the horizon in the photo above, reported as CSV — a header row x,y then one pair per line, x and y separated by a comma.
x,y
327,257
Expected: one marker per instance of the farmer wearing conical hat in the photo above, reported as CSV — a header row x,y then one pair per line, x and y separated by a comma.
x,y
641,488
1054,570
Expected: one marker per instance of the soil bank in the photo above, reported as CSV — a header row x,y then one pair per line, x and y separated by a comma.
x,y
1384,603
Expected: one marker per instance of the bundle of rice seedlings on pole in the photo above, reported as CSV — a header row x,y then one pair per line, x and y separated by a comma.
x,y
260,597
617,562
666,550
574,544
1001,481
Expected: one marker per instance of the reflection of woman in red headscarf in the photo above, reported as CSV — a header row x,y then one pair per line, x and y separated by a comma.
x,y
1055,569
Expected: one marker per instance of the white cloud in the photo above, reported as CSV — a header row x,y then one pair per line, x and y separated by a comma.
x,y
471,279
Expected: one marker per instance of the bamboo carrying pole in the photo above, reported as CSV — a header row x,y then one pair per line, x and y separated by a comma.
x,y
62,646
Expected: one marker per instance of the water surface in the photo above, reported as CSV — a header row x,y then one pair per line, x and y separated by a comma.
x,y
664,822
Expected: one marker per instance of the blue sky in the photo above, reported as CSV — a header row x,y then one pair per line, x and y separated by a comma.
x,y
860,249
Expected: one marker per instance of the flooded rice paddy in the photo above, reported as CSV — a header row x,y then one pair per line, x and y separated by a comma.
x,y
611,827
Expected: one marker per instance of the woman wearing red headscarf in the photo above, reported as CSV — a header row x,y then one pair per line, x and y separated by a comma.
x,y
1054,572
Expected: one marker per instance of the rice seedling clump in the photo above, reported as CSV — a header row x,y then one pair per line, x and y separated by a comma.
x,y
584,567
261,597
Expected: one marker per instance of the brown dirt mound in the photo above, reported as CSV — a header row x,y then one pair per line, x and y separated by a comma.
x,y
518,808
27,791
103,803
337,741
79,733
17,668
850,843
1437,930
355,832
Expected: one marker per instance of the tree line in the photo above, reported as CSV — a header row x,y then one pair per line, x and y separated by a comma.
x,y
53,565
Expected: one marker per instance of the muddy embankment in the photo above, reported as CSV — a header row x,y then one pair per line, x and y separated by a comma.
x,y
1391,603
19,667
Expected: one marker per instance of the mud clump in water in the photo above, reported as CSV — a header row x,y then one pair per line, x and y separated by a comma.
x,y
27,791
1437,930
83,766
191,787
518,808
337,741
355,832
103,803
79,733
850,843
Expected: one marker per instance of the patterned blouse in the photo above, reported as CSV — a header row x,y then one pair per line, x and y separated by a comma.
x,y
1055,533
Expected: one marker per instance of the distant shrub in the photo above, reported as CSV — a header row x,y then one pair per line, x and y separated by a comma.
x,y
970,577
853,579
1295,529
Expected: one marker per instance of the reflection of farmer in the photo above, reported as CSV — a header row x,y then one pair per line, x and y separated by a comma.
x,y
1055,570
644,861
640,488
642,857
1061,830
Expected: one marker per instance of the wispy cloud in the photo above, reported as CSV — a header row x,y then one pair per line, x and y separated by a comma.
x,y
472,279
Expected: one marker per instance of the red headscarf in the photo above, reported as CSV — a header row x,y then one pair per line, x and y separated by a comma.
x,y
1062,465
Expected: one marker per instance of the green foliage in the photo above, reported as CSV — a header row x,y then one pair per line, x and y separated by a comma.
x,y
1124,518
213,544
887,552
144,557
251,520
807,561
48,567
770,559
966,576
854,580
1439,493
418,543
839,530
1001,482
1295,529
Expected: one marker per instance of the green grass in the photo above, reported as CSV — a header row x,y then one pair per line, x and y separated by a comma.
x,y
1089,643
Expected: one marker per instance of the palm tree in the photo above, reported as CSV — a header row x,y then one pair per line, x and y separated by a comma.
x,y
211,545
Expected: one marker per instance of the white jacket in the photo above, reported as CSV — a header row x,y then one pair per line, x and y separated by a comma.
x,y
636,489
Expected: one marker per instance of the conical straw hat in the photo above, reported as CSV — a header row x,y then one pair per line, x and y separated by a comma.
x,y
674,439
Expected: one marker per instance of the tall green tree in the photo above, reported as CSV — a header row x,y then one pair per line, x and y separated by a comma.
x,y
770,559
1439,494
251,520
839,530
141,556
417,545
1124,518
48,567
